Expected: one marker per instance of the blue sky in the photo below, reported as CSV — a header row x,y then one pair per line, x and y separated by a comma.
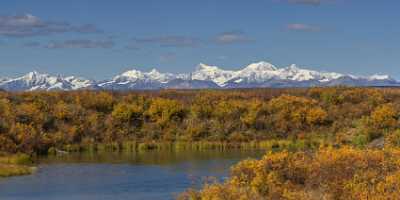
x,y
101,38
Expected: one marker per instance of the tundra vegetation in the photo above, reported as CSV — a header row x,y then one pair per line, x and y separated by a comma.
x,y
14,165
304,130
343,173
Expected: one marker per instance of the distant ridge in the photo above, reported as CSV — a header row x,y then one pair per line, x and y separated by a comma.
x,y
256,75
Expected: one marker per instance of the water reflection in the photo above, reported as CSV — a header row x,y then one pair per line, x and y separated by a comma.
x,y
120,175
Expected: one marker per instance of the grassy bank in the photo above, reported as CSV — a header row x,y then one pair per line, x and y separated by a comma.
x,y
15,165
21,164
130,146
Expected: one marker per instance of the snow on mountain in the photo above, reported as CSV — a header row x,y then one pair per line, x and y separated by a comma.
x,y
161,77
37,81
260,67
212,73
151,76
135,79
132,75
256,72
380,77
363,81
298,74
79,83
260,74
264,74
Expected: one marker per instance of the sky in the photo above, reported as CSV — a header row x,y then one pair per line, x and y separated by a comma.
x,y
99,39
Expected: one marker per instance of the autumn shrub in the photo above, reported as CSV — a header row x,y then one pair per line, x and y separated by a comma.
x,y
32,122
344,173
360,140
392,139
384,117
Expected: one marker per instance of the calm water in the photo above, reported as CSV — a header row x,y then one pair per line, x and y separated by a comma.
x,y
148,175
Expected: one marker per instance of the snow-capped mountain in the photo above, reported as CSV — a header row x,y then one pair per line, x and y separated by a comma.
x,y
136,75
255,75
212,73
37,81
376,77
135,79
79,83
297,74
261,72
256,72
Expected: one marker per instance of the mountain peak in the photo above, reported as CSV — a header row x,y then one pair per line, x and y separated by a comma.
x,y
212,73
34,76
205,67
380,77
259,74
261,66
154,71
33,73
293,67
155,75
132,73
39,81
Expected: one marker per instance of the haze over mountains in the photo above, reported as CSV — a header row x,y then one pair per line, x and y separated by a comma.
x,y
255,75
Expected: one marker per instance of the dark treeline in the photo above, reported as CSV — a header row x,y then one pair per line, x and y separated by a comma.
x,y
33,122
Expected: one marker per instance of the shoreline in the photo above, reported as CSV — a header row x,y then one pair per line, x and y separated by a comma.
x,y
16,165
9,170
130,146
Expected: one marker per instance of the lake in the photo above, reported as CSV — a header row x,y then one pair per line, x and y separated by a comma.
x,y
124,175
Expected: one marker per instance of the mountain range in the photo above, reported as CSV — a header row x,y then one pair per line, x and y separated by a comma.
x,y
255,75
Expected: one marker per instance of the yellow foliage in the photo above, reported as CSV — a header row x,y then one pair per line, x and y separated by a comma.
x,y
62,111
316,116
384,116
342,174
162,110
291,112
61,118
124,112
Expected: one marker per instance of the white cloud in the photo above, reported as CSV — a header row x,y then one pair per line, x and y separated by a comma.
x,y
303,27
28,25
232,37
170,41
86,44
